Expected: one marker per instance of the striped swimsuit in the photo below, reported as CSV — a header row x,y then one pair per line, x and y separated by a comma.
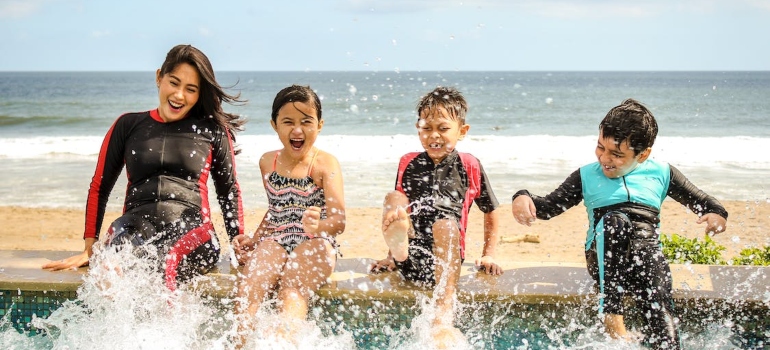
x,y
287,199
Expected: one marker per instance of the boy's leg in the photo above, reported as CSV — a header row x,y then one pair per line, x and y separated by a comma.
x,y
615,326
617,230
260,275
652,291
396,224
446,249
307,269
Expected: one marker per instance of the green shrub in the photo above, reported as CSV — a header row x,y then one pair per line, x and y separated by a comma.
x,y
680,250
753,256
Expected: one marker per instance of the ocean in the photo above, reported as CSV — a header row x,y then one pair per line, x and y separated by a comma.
x,y
529,129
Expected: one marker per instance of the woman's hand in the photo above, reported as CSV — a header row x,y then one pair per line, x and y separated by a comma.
x,y
73,262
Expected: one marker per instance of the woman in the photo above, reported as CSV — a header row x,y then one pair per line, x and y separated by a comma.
x,y
169,154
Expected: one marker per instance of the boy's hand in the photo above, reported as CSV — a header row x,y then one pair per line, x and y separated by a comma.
x,y
714,223
487,263
524,210
387,264
310,220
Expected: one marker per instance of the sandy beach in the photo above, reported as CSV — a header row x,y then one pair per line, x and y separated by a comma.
x,y
560,239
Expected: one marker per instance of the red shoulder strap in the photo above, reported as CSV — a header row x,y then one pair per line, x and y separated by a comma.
x,y
471,165
405,160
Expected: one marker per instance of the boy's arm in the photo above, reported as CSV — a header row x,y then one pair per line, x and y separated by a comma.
x,y
708,208
567,195
491,237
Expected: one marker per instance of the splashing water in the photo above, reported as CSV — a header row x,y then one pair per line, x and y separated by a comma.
x,y
123,304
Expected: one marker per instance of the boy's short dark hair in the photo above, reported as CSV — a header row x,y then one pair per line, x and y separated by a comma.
x,y
630,121
449,98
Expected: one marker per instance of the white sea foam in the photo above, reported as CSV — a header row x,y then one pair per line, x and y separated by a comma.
x,y
731,168
736,150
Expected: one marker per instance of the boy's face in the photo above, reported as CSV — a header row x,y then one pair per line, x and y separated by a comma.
x,y
617,159
439,133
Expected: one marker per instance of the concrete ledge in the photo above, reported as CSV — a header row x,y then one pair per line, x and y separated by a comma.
x,y
522,282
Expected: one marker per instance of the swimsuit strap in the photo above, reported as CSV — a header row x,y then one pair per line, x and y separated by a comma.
x,y
312,162
275,159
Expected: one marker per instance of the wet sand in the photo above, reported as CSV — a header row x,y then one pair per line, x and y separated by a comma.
x,y
560,239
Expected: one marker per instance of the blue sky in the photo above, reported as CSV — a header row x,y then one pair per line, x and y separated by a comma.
x,y
388,35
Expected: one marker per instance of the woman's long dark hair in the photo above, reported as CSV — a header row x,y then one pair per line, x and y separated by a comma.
x,y
212,95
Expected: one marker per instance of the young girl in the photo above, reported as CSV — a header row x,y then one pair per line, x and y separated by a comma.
x,y
293,250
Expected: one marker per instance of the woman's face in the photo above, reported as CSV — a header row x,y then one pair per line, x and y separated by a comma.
x,y
178,92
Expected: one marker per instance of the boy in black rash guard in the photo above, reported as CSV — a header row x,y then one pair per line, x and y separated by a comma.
x,y
424,220
623,192
169,154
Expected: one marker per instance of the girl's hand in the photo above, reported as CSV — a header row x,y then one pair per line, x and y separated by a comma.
x,y
242,245
311,218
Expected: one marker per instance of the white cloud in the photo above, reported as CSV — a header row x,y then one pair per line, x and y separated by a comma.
x,y
100,33
18,8
205,32
763,4
568,9
398,6
593,9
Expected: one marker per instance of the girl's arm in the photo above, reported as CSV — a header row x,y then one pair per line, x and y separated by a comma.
x,y
331,181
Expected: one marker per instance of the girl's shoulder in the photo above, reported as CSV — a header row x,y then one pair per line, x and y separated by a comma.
x,y
326,159
325,163
268,158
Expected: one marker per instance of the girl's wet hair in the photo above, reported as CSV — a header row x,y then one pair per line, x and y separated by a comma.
x,y
633,122
447,97
295,93
211,93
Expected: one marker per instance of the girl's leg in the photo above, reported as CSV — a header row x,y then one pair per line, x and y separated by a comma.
x,y
260,275
308,268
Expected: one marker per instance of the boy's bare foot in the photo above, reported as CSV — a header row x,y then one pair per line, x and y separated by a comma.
x,y
447,337
395,229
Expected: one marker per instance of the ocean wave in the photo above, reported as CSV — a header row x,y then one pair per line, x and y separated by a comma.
x,y
509,151
41,120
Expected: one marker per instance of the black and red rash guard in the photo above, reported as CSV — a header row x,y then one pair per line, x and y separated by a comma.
x,y
168,166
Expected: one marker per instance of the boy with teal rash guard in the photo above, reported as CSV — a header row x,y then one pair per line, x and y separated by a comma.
x,y
623,192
